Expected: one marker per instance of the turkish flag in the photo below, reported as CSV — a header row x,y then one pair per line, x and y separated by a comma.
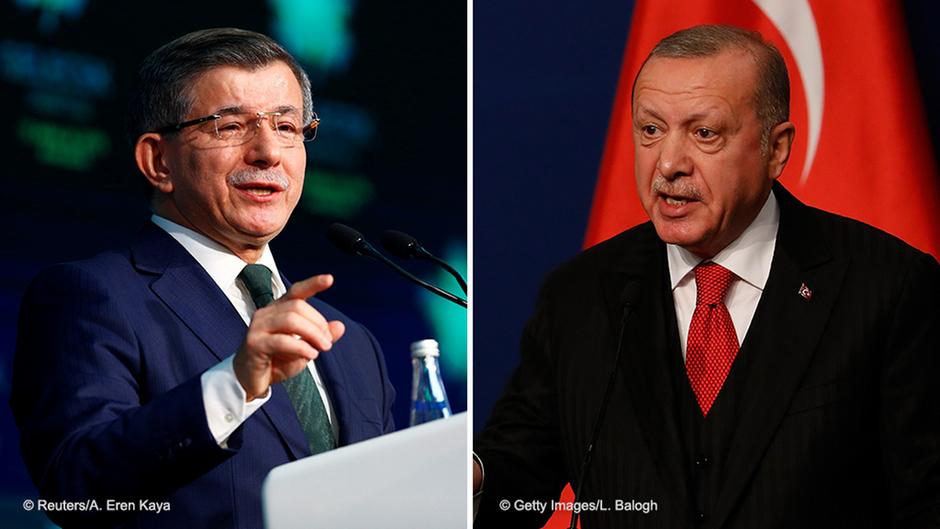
x,y
862,148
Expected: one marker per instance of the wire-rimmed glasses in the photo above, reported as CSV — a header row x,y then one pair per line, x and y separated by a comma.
x,y
237,128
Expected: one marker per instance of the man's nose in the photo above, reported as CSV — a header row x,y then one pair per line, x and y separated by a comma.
x,y
674,160
264,149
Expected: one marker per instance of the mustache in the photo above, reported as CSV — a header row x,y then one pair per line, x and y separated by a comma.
x,y
269,176
676,188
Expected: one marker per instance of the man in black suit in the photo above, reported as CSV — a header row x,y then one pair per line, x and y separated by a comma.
x,y
766,364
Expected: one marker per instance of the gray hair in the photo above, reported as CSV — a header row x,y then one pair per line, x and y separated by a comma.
x,y
772,93
163,97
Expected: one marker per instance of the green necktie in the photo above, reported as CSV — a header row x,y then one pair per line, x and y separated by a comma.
x,y
301,388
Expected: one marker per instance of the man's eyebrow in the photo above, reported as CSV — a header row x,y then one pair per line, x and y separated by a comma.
x,y
641,110
704,114
284,109
229,110
237,109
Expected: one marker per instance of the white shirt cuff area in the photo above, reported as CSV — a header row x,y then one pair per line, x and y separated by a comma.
x,y
224,400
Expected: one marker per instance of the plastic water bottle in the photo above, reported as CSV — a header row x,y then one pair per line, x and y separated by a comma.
x,y
428,398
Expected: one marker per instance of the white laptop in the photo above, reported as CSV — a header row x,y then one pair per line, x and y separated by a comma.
x,y
413,478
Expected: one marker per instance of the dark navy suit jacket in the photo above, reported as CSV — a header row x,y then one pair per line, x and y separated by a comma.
x,y
107,393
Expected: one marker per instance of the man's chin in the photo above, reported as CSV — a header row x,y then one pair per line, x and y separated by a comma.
x,y
260,227
680,234
259,237
254,235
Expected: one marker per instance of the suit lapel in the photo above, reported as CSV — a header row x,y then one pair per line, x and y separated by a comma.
x,y
649,338
185,287
189,292
782,339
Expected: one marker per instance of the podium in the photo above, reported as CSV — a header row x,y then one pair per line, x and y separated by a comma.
x,y
414,478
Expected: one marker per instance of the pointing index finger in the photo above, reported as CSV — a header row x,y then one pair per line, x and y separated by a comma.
x,y
309,287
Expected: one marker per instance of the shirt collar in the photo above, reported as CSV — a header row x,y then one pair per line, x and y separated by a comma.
x,y
218,261
748,257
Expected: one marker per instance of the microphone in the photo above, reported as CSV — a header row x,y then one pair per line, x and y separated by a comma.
x,y
627,297
351,241
405,246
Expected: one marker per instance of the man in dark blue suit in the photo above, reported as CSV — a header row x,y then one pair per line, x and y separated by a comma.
x,y
158,384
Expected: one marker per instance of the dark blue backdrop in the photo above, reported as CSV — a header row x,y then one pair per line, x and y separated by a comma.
x,y
544,79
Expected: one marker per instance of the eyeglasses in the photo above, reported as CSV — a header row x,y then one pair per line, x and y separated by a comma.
x,y
238,128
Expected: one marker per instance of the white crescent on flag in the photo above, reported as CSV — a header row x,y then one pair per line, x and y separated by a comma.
x,y
794,19
847,168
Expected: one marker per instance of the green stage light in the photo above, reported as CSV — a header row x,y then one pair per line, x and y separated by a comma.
x,y
448,320
63,146
316,31
334,194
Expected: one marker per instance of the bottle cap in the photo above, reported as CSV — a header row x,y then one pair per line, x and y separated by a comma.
x,y
423,348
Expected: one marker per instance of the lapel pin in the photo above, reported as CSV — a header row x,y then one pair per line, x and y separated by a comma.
x,y
805,292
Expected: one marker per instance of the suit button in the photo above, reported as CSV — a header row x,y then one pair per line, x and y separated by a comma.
x,y
702,462
700,517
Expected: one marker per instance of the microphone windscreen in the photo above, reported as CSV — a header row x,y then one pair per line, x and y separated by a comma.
x,y
345,238
400,244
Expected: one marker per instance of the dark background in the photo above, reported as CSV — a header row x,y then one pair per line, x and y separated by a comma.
x,y
389,82
544,80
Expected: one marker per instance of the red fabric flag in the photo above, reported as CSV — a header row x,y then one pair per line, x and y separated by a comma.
x,y
862,148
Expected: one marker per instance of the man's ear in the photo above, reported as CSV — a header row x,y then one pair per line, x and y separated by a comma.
x,y
780,142
150,153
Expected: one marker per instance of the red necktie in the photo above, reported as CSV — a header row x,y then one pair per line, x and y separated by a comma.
x,y
712,343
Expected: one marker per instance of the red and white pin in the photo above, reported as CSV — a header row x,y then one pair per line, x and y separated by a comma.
x,y
805,292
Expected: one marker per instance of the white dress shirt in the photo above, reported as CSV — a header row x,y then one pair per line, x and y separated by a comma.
x,y
222,394
748,257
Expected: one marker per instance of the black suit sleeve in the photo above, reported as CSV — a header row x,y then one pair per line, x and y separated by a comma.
x,y
910,400
520,445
